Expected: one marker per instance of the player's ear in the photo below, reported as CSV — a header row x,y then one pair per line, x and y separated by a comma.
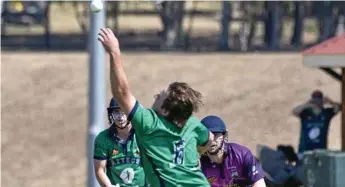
x,y
226,135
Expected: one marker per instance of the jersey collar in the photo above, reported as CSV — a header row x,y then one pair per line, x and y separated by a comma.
x,y
114,136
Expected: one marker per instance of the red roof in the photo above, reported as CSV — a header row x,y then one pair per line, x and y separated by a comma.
x,y
335,45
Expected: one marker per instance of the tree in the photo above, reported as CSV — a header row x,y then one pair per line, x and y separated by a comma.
x,y
273,24
173,14
225,21
299,14
324,13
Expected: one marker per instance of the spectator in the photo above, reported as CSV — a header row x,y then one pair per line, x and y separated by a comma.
x,y
315,120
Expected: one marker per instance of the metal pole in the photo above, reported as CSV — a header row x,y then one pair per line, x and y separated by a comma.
x,y
96,90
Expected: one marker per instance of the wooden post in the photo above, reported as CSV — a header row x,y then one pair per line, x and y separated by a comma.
x,y
343,110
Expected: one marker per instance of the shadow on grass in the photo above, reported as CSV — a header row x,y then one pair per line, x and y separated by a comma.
x,y
147,41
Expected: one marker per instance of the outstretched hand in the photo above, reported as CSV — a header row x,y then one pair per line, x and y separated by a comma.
x,y
109,40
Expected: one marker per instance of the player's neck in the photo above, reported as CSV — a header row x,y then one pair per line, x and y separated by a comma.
x,y
217,158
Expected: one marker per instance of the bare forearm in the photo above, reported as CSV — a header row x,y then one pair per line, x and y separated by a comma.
x,y
203,149
118,79
334,103
297,110
103,179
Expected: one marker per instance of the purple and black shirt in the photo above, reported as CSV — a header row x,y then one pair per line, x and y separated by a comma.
x,y
239,168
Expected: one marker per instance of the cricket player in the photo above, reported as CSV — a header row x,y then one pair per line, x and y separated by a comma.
x,y
116,153
169,137
229,164
315,119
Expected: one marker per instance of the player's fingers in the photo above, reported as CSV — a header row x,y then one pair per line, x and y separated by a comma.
x,y
104,32
110,32
100,38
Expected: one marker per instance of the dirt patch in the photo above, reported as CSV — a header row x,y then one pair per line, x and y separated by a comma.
x,y
44,104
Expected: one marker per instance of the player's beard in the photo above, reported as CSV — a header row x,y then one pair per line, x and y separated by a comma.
x,y
216,150
217,156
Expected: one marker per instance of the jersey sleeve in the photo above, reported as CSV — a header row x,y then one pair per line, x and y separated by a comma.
x,y
253,170
330,112
202,134
99,152
304,114
143,120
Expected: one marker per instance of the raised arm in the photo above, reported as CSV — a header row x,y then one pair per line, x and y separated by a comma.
x,y
204,138
203,148
335,106
118,79
299,109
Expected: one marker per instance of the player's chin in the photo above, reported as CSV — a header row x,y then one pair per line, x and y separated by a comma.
x,y
212,151
121,124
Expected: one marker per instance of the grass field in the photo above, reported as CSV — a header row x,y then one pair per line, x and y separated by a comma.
x,y
44,100
44,104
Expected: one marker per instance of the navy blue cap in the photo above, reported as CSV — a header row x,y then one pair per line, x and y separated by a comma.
x,y
317,97
114,104
317,94
214,124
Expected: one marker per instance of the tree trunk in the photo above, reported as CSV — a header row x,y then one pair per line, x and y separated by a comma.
x,y
248,26
275,24
115,15
224,34
174,13
267,24
324,15
299,14
339,18
161,8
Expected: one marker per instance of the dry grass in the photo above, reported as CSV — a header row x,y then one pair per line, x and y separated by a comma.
x,y
44,100
44,104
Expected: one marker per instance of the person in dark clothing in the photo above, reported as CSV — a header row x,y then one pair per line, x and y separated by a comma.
x,y
315,119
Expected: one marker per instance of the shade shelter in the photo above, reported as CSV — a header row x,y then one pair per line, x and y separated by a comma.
x,y
328,55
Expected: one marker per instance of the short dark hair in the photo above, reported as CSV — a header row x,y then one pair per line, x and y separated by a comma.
x,y
181,102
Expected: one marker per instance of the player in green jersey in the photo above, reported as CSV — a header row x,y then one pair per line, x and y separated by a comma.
x,y
170,139
116,153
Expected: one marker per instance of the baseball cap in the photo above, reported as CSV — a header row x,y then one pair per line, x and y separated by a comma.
x,y
214,124
114,104
317,96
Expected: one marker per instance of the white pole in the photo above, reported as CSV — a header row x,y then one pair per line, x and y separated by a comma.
x,y
96,90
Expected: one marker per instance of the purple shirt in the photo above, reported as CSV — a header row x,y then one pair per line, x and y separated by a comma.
x,y
240,168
